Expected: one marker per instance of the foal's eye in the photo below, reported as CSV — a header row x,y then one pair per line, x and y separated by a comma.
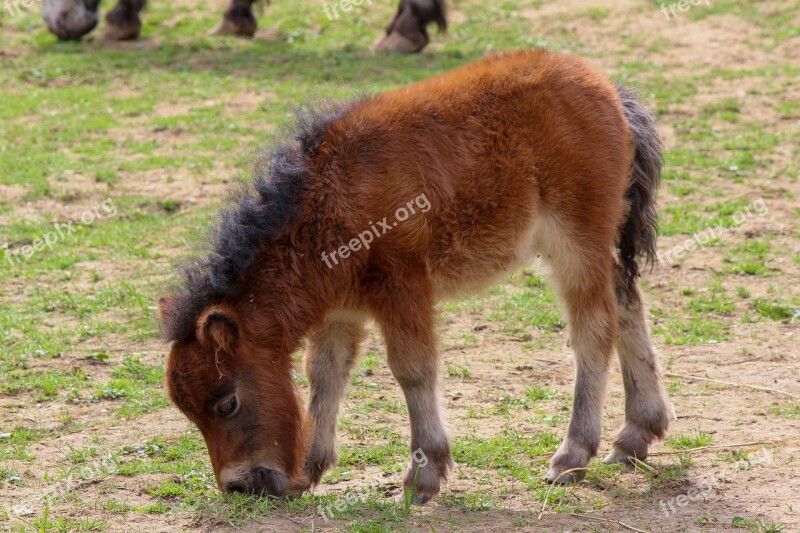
x,y
228,406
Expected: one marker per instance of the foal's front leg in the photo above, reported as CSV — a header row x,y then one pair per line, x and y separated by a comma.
x,y
405,313
331,353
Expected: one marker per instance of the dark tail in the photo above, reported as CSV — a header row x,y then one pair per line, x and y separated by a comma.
x,y
640,229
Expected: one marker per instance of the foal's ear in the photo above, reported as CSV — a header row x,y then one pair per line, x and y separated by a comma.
x,y
217,328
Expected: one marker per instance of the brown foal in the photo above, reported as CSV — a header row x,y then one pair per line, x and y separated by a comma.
x,y
380,207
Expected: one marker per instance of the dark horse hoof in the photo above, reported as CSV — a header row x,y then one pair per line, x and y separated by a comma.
x,y
407,32
70,19
397,43
123,22
227,27
238,20
122,33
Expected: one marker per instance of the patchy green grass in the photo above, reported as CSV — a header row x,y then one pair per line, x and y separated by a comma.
x,y
756,525
790,411
685,442
697,329
776,310
750,259
522,311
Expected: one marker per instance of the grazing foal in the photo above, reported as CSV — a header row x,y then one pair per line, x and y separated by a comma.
x,y
386,204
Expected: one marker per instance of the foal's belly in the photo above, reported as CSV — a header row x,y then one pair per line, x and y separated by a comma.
x,y
484,262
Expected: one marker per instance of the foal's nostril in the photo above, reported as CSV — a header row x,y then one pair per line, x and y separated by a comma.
x,y
262,474
236,487
266,482
260,482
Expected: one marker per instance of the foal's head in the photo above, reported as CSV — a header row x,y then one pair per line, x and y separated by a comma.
x,y
244,402
237,318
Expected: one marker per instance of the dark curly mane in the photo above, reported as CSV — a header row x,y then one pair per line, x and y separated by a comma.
x,y
261,211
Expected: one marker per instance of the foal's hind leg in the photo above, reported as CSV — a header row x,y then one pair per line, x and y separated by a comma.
x,y
646,405
331,353
587,289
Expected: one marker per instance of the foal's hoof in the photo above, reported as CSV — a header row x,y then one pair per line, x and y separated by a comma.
x,y
417,498
568,465
319,463
633,442
321,457
422,482
565,476
619,456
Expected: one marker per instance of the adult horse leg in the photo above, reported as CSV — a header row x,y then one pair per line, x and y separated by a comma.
x,y
331,353
402,302
123,22
407,32
237,20
70,19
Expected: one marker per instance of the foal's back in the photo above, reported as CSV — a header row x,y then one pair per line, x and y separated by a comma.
x,y
517,153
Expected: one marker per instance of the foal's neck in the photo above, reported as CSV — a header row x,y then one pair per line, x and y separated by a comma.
x,y
283,299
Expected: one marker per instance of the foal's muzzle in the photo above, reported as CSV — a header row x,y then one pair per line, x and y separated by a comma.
x,y
260,482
